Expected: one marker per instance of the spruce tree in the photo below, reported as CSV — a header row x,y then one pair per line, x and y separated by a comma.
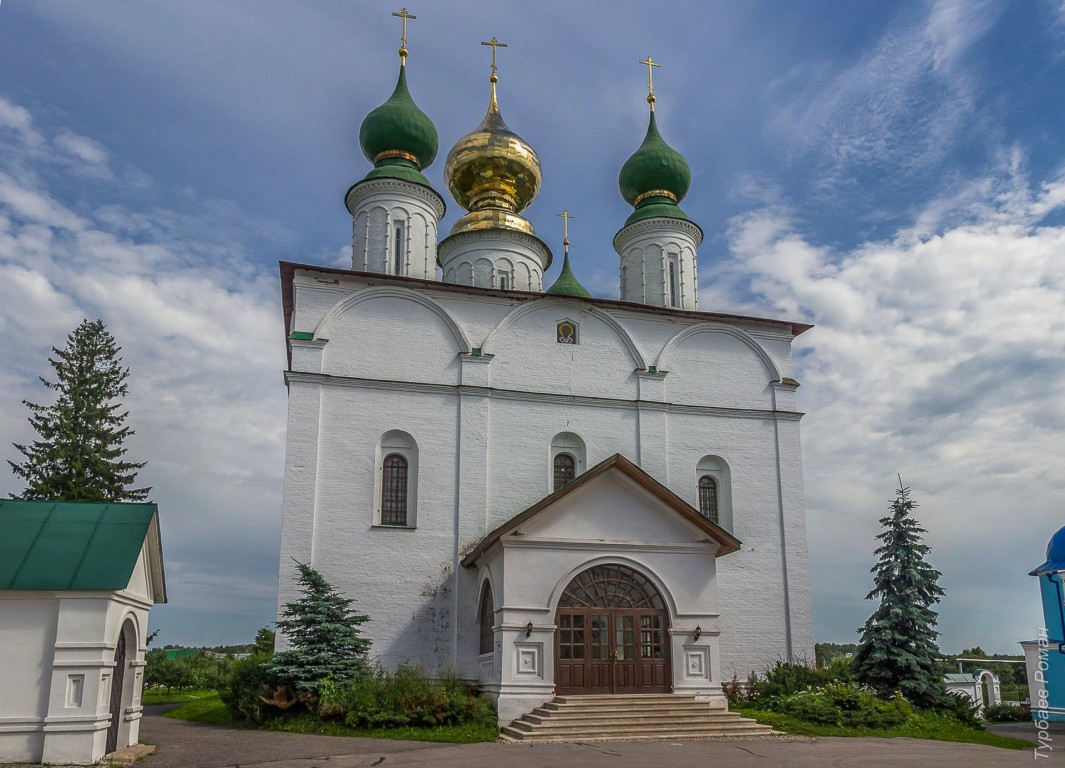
x,y
898,649
323,634
78,455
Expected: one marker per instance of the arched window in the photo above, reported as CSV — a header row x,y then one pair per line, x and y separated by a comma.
x,y
713,483
394,490
565,460
395,495
708,497
488,612
565,469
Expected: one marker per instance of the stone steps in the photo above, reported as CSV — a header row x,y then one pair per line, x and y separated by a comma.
x,y
652,716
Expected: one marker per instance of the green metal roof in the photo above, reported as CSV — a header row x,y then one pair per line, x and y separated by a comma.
x,y
654,166
399,125
567,283
71,545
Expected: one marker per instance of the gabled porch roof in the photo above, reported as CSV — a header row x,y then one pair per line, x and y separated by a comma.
x,y
617,463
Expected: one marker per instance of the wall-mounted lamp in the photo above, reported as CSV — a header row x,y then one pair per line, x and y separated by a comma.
x,y
698,632
528,629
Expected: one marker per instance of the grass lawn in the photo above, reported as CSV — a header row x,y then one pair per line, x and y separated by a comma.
x,y
920,725
210,709
160,696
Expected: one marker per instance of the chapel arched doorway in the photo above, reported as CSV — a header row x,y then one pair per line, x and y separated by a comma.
x,y
612,634
119,700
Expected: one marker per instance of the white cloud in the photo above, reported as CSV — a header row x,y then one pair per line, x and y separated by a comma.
x,y
901,104
90,155
201,332
19,119
939,357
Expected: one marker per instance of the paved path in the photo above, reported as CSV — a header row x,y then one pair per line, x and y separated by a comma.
x,y
181,744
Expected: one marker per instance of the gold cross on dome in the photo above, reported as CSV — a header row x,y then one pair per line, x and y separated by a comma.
x,y
403,35
566,216
651,64
495,44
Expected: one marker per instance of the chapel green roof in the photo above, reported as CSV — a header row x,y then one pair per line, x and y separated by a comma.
x,y
398,138
49,545
655,176
567,283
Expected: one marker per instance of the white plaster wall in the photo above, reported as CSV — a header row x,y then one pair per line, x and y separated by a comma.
x,y
374,339
717,369
646,248
27,631
480,257
528,357
57,667
377,206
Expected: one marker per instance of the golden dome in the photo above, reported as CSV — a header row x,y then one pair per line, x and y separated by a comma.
x,y
492,173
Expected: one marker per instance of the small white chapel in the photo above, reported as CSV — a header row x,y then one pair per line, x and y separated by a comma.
x,y
546,492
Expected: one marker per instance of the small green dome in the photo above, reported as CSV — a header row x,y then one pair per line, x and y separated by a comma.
x,y
654,167
567,283
397,137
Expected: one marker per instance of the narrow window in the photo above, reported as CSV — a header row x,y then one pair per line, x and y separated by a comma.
x,y
394,490
708,497
624,283
565,469
487,618
672,283
503,283
399,249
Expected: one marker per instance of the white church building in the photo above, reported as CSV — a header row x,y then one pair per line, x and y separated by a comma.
x,y
546,492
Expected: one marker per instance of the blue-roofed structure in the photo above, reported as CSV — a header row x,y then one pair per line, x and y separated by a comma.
x,y
1045,656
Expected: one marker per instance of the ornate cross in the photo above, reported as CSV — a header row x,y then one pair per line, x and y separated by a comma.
x,y
566,216
495,44
651,64
403,35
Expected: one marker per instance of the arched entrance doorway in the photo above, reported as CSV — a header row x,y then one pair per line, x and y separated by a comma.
x,y
612,634
118,726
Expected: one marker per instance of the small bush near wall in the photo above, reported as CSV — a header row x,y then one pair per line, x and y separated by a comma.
x,y
387,699
248,689
380,698
1007,713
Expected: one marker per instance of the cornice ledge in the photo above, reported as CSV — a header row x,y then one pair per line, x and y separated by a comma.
x,y
369,186
658,224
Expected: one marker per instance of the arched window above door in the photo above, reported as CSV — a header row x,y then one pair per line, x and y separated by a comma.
x,y
611,586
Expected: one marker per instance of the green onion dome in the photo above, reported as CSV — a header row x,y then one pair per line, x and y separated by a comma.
x,y
398,138
655,178
567,283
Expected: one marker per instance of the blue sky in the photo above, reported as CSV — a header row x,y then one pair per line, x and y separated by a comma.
x,y
891,172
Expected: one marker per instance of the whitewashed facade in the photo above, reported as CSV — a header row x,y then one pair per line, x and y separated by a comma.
x,y
476,387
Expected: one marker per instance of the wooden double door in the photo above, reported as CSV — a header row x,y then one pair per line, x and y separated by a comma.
x,y
613,634
612,651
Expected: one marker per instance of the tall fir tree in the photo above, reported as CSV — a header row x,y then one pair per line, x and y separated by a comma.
x,y
323,634
78,455
897,651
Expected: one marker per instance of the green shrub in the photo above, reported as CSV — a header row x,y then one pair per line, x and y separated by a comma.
x,y
1006,713
844,704
784,679
961,708
249,682
405,697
